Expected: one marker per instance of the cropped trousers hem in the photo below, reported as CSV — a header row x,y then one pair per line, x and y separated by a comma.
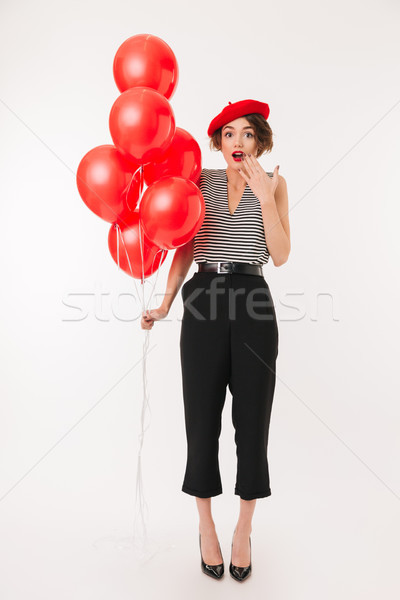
x,y
218,491
245,496
202,494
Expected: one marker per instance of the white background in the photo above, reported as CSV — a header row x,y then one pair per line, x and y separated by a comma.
x,y
72,380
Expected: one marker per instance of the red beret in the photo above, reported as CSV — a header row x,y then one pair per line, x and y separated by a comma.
x,y
236,110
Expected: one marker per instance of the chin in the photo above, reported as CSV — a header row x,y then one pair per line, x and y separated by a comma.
x,y
234,164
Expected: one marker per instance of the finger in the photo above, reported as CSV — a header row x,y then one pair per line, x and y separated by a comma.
x,y
249,165
256,165
243,175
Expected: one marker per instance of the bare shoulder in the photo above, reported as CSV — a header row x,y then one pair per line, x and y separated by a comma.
x,y
282,204
281,180
281,190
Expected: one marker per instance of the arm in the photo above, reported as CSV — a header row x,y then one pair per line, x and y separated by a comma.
x,y
181,262
276,223
272,194
180,266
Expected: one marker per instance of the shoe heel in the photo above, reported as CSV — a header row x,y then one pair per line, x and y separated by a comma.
x,y
240,573
215,571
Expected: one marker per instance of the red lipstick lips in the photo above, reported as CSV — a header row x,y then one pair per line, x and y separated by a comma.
x,y
237,156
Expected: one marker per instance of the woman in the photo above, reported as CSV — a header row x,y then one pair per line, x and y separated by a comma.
x,y
229,332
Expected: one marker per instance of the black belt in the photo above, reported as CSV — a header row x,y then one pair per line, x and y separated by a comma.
x,y
231,267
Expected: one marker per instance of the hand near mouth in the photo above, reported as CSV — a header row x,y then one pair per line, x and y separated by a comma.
x,y
262,184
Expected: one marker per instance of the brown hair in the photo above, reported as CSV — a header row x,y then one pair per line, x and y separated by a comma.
x,y
263,134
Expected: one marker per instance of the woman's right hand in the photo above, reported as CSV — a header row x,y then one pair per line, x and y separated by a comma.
x,y
149,316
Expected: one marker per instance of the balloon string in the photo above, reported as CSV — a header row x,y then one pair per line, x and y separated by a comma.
x,y
140,498
140,502
141,242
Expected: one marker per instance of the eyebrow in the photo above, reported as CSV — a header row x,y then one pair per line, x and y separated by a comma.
x,y
230,127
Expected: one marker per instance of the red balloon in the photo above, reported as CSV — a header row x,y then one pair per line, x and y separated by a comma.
x,y
142,124
134,242
172,211
182,159
146,60
102,177
131,197
132,163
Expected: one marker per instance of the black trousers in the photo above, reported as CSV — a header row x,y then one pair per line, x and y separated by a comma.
x,y
229,337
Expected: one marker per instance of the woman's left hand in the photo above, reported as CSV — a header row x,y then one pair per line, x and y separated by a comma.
x,y
262,184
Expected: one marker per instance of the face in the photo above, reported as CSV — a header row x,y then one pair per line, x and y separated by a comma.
x,y
237,136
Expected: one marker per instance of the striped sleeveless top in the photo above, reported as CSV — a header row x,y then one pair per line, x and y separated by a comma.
x,y
225,237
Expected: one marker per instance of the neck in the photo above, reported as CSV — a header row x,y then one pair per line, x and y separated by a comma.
x,y
234,177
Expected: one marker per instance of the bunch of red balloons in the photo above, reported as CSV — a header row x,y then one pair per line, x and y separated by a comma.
x,y
148,147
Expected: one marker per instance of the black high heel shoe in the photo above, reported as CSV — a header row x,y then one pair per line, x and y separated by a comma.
x,y
215,571
240,573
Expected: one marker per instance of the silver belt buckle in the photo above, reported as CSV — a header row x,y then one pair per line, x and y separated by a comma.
x,y
224,267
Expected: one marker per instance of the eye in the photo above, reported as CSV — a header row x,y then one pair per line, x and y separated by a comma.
x,y
248,132
227,133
